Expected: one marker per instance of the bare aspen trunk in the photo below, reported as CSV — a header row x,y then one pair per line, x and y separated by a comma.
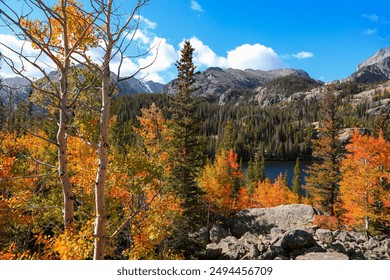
x,y
100,206
366,218
64,175
68,194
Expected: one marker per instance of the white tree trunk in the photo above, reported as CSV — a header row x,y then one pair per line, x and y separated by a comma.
x,y
100,206
63,172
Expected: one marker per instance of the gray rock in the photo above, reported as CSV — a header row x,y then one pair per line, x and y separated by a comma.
x,y
325,236
250,238
371,244
323,256
357,237
343,236
273,252
278,236
213,251
217,232
386,245
336,247
262,220
282,258
276,233
253,252
229,248
296,239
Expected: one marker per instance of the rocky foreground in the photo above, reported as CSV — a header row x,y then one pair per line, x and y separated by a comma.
x,y
287,232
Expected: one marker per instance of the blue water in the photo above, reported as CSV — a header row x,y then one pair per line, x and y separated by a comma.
x,y
274,168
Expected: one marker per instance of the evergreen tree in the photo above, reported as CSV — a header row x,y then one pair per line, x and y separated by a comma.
x,y
187,157
259,164
229,140
296,181
324,176
250,175
286,178
382,123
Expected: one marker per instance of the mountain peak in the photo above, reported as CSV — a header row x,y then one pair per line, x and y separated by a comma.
x,y
378,57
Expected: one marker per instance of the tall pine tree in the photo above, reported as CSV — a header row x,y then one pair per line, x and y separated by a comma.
x,y
187,157
324,175
259,163
296,181
229,140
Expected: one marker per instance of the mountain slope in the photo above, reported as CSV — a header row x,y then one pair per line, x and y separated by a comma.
x,y
21,88
216,84
375,69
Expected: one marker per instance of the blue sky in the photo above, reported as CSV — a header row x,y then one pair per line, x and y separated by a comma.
x,y
328,39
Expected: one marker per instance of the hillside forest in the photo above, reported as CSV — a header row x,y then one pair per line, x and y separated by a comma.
x,y
86,173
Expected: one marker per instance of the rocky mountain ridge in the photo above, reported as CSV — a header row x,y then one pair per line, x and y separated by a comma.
x,y
216,84
264,88
21,87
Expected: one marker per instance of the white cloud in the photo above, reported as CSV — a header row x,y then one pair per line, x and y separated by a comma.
x,y
303,55
370,31
162,56
204,55
243,57
376,18
371,17
144,22
10,53
298,55
253,57
196,6
141,36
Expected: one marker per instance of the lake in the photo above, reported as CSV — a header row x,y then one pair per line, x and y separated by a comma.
x,y
273,169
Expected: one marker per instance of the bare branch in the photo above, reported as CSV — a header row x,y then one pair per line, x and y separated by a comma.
x,y
29,176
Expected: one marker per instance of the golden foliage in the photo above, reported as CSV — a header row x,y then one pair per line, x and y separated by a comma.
x,y
364,188
70,29
267,194
77,246
220,182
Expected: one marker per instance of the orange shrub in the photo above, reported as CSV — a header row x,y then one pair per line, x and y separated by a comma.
x,y
327,222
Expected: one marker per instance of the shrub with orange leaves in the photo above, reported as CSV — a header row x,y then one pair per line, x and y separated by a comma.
x,y
327,222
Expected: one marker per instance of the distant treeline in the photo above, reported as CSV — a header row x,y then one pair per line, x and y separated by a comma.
x,y
285,130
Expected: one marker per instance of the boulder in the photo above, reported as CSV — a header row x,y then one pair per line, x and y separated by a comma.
x,y
325,236
323,256
262,220
296,239
213,251
217,232
229,248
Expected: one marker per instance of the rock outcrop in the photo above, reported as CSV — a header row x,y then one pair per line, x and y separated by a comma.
x,y
287,232
261,220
